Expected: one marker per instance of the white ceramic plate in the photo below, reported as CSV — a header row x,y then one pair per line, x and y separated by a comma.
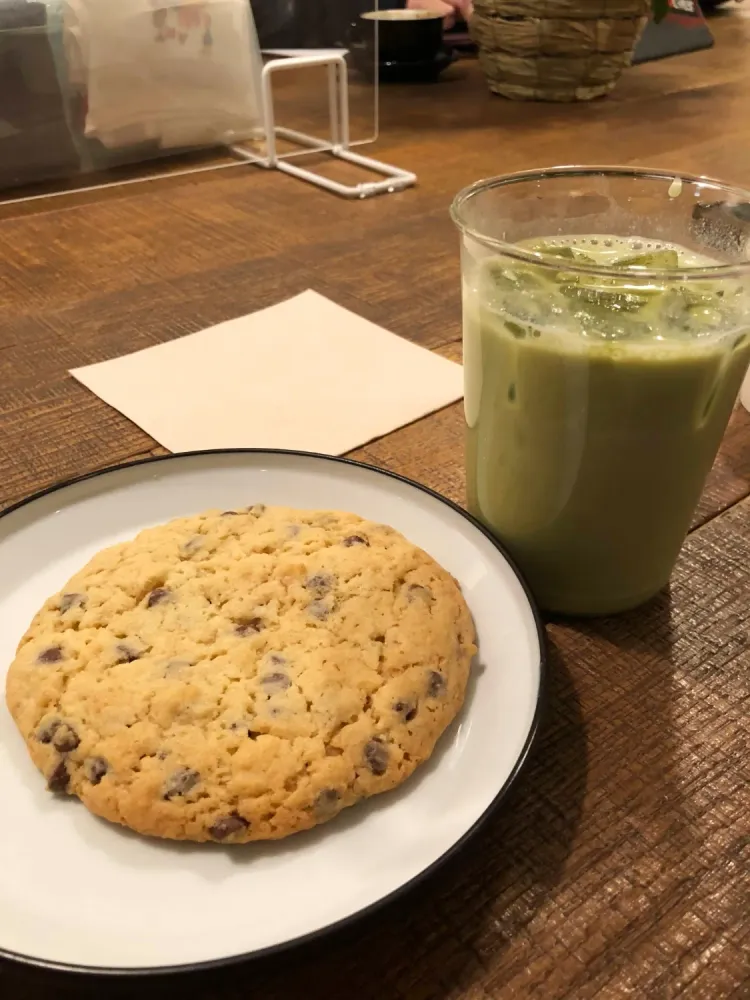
x,y
78,892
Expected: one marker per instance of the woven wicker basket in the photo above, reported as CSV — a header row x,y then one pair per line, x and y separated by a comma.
x,y
556,50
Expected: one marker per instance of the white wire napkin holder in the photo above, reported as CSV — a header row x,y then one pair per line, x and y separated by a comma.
x,y
338,144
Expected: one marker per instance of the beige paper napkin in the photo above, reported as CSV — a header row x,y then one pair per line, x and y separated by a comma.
x,y
305,374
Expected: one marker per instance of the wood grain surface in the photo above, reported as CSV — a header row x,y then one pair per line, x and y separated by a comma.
x,y
619,866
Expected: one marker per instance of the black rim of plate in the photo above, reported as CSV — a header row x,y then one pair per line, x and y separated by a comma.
x,y
427,872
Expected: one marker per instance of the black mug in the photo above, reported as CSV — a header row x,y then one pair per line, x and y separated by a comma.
x,y
406,36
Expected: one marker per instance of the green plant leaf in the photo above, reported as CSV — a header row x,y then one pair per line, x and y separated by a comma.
x,y
660,9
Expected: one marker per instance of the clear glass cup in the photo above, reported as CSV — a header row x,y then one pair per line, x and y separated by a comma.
x,y
606,337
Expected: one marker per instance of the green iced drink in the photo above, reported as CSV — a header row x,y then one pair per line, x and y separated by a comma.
x,y
595,407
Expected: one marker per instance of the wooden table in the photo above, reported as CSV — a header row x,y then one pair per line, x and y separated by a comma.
x,y
618,867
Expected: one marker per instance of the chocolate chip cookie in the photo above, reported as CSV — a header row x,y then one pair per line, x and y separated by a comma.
x,y
242,674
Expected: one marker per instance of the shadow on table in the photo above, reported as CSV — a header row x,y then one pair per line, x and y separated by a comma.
x,y
647,632
432,940
633,674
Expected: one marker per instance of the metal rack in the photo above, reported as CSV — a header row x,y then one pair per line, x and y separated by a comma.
x,y
338,144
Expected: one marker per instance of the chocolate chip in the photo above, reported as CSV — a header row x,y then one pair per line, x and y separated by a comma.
x,y
226,826
376,756
180,782
355,540
246,626
276,659
45,732
275,682
157,596
229,513
52,654
435,684
58,779
319,610
406,709
125,653
191,546
95,768
327,804
65,738
415,592
68,601
320,583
